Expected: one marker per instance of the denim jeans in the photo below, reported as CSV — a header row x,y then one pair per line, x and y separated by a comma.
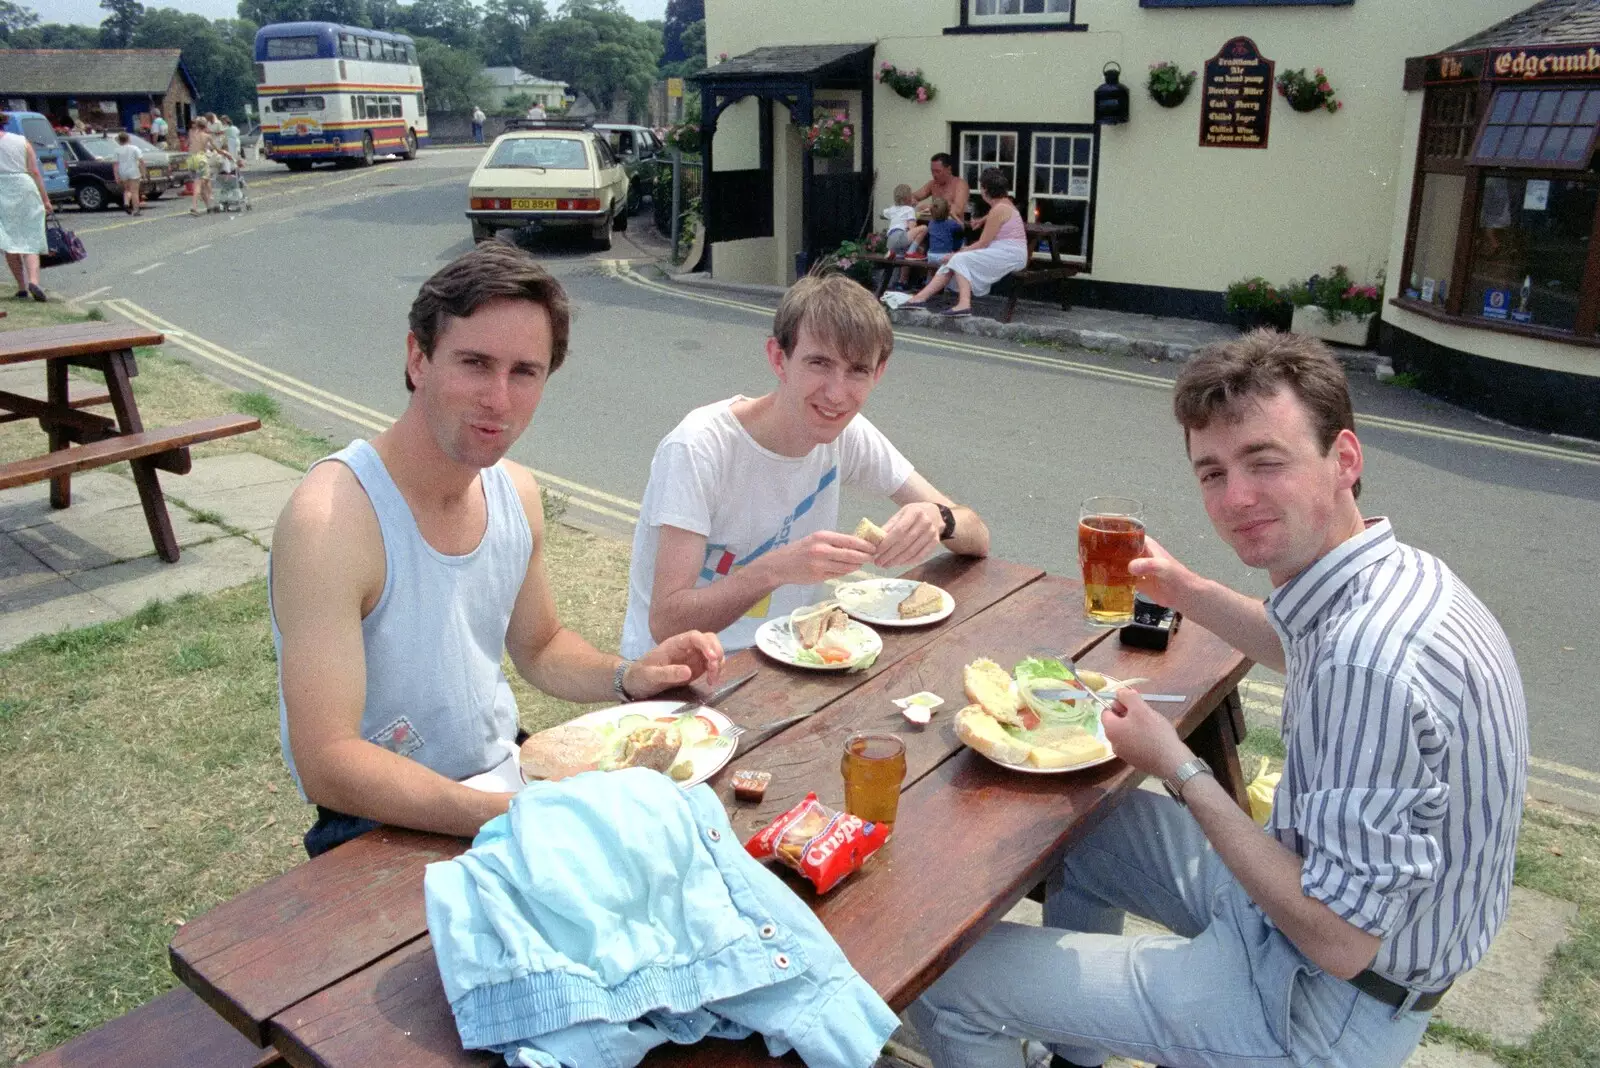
x,y
1225,989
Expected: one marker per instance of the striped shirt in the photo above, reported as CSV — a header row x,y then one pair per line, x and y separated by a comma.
x,y
1407,753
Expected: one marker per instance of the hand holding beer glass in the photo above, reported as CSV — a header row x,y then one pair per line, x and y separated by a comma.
x,y
1110,536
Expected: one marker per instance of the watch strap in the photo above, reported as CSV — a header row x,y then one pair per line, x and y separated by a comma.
x,y
949,530
1181,776
616,681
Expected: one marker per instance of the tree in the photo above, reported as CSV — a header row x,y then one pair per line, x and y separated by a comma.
x,y
694,53
681,14
219,55
14,17
599,50
453,76
451,22
505,25
56,35
120,23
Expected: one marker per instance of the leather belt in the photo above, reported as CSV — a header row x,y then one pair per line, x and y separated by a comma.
x,y
1393,994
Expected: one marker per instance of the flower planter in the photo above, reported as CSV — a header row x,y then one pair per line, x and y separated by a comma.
x,y
1355,330
1248,319
1306,104
1170,100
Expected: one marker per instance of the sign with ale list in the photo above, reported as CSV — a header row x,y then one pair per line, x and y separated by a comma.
x,y
1236,97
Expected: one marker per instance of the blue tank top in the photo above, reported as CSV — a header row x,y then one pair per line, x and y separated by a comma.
x,y
436,638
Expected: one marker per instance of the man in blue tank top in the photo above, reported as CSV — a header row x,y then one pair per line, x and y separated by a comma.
x,y
403,569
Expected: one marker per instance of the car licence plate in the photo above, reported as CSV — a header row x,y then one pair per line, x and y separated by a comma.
x,y
157,172
47,165
533,205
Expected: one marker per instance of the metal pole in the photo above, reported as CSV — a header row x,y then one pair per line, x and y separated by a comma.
x,y
677,200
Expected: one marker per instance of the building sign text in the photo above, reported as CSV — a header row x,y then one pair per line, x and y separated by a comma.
x,y
1236,97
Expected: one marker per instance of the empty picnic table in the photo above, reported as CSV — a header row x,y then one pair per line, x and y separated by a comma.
x,y
80,439
331,962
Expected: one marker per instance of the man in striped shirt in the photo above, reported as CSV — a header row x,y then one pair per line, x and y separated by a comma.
x,y
1386,866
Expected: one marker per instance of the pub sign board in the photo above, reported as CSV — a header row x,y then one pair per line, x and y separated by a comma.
x,y
1564,63
1236,97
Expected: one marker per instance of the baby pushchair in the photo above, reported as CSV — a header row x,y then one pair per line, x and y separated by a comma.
x,y
229,187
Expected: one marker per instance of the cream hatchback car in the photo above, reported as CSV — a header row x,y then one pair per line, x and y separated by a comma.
x,y
551,175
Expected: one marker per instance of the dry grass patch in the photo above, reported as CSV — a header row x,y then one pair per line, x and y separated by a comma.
x,y
144,785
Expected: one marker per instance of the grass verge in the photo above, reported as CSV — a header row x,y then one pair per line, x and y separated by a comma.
x,y
144,786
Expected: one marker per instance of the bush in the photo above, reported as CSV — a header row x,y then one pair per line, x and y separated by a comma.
x,y
1337,295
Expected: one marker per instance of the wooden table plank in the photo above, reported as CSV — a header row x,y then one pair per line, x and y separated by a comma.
x,y
271,946
72,339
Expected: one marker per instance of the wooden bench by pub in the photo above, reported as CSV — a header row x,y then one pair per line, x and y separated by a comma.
x,y
1010,287
176,1030
80,439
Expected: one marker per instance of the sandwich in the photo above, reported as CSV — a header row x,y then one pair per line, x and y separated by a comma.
x,y
563,751
867,530
983,732
653,747
989,686
812,624
923,600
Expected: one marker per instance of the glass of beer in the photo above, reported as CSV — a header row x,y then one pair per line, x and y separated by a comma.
x,y
874,766
1110,535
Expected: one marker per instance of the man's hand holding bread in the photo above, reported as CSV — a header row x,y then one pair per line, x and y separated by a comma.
x,y
909,537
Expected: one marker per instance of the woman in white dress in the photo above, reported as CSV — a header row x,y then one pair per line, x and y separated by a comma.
x,y
1001,248
23,206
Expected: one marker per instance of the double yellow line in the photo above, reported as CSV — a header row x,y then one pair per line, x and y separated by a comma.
x,y
623,270
587,497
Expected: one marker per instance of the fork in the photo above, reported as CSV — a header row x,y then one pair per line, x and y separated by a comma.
x,y
1094,695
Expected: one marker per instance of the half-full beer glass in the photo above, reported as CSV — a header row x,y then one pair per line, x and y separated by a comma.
x,y
1110,535
874,766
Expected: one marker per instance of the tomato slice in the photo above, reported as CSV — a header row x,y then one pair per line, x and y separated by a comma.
x,y
1030,718
832,655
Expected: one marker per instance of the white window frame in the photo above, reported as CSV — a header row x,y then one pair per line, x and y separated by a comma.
x,y
979,165
1084,171
998,16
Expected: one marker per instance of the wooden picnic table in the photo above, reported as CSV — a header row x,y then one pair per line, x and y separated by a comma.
x,y
80,439
1040,235
331,962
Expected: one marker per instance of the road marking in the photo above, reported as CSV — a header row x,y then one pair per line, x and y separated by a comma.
x,y
1564,769
241,233
197,248
588,497
84,298
623,271
153,266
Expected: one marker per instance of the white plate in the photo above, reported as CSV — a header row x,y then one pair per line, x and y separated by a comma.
x,y
776,638
1029,769
877,601
708,759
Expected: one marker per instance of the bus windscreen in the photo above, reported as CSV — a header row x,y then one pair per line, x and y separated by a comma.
x,y
291,48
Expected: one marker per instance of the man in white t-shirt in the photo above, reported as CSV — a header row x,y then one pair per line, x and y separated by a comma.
x,y
737,523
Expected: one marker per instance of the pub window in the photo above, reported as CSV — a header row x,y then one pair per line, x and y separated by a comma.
x,y
1063,181
1438,220
1530,249
1450,122
980,150
1002,12
1540,128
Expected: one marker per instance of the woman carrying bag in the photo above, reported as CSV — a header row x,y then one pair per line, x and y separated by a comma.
x,y
23,207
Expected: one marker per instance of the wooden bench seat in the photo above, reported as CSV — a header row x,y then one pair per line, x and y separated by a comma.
x,y
176,1030
1010,287
165,448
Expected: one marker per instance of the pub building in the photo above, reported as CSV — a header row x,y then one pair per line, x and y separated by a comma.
x,y
1496,301
1165,202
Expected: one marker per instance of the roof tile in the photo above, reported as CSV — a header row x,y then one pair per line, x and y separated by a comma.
x,y
86,71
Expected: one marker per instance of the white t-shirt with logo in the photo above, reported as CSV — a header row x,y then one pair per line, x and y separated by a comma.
x,y
709,476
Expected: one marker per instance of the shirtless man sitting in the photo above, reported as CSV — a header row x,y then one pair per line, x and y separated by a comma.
x,y
947,184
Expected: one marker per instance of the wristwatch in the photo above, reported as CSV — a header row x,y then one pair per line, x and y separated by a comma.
x,y
949,530
1182,774
616,681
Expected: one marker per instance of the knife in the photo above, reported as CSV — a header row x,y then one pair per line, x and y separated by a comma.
x,y
719,694
1074,693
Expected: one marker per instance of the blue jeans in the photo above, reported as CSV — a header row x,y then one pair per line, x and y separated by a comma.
x,y
1225,989
477,132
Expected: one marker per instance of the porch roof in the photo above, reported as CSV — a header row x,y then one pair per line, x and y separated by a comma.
x,y
814,63
1551,22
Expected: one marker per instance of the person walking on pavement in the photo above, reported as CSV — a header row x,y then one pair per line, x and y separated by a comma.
x,y
23,207
158,130
131,173
200,150
477,124
230,137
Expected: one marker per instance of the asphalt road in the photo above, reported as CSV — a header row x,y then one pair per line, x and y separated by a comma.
x,y
315,282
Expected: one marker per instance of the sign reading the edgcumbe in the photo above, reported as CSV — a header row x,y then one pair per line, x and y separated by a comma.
x,y
1236,97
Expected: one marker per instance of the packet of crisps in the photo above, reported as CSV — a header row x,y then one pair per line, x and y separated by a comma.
x,y
819,843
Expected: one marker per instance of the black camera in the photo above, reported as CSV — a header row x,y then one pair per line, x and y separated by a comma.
x,y
1152,626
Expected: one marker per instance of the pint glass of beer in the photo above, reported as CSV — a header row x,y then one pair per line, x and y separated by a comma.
x,y
1110,534
874,766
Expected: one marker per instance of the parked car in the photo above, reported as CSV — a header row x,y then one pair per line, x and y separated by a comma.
x,y
550,174
637,147
47,146
92,168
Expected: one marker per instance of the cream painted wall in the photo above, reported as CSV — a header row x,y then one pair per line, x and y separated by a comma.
x,y
1492,344
1169,213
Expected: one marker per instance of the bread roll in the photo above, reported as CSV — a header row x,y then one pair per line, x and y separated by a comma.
x,y
867,530
562,751
989,685
982,731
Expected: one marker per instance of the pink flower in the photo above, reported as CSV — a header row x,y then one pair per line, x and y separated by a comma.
x,y
1338,105
922,95
887,65
839,115
846,133
1319,72
722,56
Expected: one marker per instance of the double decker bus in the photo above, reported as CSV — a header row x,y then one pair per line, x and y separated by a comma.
x,y
341,93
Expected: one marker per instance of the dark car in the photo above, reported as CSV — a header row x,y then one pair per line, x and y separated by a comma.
x,y
92,167
637,147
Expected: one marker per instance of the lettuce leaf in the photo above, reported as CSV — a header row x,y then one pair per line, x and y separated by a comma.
x,y
1036,667
1048,674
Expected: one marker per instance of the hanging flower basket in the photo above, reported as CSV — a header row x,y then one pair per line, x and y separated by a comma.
x,y
685,137
830,136
1168,85
910,84
1308,92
